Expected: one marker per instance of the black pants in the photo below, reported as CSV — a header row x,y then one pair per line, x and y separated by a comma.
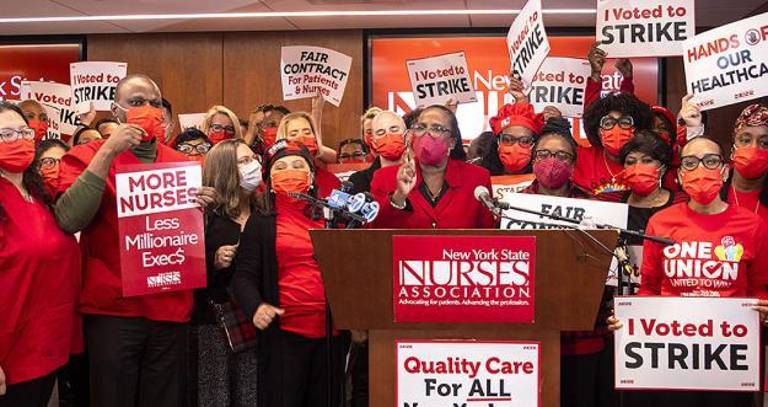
x,y
135,361
32,393
294,371
587,380
73,382
358,370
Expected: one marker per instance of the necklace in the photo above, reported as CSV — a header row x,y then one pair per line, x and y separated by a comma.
x,y
736,199
608,167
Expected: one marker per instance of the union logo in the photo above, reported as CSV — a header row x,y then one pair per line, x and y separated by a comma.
x,y
729,250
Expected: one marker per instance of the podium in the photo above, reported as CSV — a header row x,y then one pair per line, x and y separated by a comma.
x,y
571,270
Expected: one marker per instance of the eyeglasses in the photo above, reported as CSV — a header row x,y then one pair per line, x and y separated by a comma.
x,y
435,131
49,162
187,148
560,155
391,130
11,135
226,129
508,140
710,161
609,122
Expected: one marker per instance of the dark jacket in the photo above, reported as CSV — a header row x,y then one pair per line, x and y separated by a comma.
x,y
361,180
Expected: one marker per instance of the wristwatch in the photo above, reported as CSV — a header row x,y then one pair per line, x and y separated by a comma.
x,y
396,206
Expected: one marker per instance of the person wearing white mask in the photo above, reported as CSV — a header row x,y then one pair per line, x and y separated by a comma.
x,y
225,371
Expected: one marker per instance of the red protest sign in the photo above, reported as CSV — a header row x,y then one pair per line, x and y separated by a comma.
x,y
463,278
161,228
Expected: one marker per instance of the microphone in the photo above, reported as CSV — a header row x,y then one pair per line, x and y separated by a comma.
x,y
482,195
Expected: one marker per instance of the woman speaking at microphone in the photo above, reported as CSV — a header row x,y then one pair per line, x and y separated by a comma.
x,y
737,236
39,273
435,187
278,283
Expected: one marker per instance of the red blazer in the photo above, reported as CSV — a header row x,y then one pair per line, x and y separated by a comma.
x,y
457,209
102,284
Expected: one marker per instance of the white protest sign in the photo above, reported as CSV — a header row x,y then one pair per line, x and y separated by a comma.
x,y
504,185
460,373
561,82
687,343
644,28
54,126
609,213
308,71
191,120
436,79
95,81
58,96
527,41
728,64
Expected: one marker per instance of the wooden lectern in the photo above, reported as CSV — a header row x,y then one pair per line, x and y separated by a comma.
x,y
571,270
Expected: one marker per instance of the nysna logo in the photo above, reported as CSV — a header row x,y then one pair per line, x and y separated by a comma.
x,y
164,279
699,263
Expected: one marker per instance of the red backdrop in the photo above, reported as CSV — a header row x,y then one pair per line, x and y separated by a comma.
x,y
34,62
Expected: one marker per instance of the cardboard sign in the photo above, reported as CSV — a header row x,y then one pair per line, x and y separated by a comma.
x,y
463,278
310,71
728,64
95,81
436,79
161,227
503,185
677,343
58,96
561,82
527,42
609,213
191,120
632,28
435,373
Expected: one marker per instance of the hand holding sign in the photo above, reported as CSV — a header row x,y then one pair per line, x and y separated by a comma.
x,y
690,112
87,118
205,196
517,89
596,58
265,314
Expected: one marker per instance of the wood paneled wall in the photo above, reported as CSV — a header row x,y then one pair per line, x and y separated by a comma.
x,y
237,70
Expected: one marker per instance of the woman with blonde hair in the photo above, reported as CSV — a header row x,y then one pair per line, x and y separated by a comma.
x,y
226,372
221,124
300,127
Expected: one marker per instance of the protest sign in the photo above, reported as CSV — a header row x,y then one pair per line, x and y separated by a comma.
x,y
463,278
503,185
308,71
95,81
434,373
687,343
160,227
728,64
582,210
58,96
632,28
561,82
191,120
436,79
527,42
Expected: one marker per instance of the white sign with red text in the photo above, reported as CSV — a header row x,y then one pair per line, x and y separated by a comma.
x,y
644,28
728,64
437,79
160,227
95,81
57,96
527,42
561,83
435,373
308,71
687,343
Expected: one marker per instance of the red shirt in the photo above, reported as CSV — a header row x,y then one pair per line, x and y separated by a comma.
x,y
721,255
457,209
326,182
102,285
749,200
300,282
39,284
595,173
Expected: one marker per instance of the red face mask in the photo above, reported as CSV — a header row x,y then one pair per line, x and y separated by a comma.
x,y
702,184
150,119
269,135
750,162
286,181
429,150
40,127
309,142
614,139
641,178
514,157
16,157
552,173
390,146
217,137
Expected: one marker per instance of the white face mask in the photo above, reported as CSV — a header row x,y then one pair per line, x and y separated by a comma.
x,y
250,176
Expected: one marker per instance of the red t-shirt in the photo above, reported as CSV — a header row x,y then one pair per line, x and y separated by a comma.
x,y
299,281
39,285
595,173
721,255
749,200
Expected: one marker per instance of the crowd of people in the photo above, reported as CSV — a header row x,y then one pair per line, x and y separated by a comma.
x,y
260,332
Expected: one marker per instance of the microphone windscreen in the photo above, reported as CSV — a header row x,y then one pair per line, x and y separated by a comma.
x,y
481,190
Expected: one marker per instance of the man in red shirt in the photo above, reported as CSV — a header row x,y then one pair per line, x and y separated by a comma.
x,y
135,344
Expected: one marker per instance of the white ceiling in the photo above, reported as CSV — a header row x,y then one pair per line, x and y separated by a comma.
x,y
709,13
